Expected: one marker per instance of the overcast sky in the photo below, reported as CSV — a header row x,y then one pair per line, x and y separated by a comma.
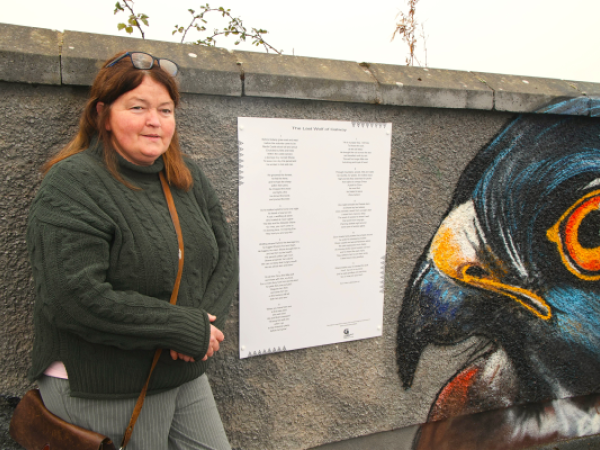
x,y
542,38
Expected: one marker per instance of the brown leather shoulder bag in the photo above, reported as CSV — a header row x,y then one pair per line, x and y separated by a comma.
x,y
36,428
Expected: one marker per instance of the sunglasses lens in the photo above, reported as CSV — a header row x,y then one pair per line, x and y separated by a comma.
x,y
141,61
144,61
168,66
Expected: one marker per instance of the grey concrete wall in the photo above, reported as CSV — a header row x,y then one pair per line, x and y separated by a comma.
x,y
292,400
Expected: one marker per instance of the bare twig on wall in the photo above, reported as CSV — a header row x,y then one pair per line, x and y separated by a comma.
x,y
406,27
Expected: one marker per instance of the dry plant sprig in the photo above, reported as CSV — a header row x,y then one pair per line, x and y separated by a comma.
x,y
407,28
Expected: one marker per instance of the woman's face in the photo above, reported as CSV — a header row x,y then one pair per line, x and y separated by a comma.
x,y
142,122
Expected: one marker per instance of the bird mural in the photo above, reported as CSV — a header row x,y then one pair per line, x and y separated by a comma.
x,y
516,263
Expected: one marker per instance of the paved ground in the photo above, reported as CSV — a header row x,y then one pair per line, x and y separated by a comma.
x,y
402,439
391,440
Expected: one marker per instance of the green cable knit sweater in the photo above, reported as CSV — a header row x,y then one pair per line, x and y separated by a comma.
x,y
104,261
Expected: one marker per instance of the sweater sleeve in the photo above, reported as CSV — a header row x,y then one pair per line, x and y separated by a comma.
x,y
69,246
224,279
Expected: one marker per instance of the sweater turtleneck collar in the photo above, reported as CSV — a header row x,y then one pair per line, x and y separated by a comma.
x,y
156,167
96,148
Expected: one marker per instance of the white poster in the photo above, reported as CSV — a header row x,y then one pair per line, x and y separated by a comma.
x,y
313,218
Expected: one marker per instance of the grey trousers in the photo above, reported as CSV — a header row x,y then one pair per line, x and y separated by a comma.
x,y
184,418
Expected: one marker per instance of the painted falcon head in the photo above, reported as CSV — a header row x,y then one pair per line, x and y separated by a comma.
x,y
516,260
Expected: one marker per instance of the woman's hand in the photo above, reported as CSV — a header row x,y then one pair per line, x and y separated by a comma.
x,y
216,337
177,356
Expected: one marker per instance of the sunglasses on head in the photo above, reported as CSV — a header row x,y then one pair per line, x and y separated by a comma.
x,y
145,61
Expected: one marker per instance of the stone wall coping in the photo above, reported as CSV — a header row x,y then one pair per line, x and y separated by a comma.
x,y
29,55
42,56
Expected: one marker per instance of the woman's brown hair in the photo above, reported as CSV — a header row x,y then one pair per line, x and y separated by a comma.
x,y
110,84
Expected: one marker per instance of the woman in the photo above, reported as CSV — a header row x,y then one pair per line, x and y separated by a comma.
x,y
104,254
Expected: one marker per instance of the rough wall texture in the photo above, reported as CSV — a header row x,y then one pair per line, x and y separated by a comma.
x,y
304,398
290,400
34,124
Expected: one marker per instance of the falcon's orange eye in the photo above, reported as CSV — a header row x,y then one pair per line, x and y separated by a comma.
x,y
577,236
